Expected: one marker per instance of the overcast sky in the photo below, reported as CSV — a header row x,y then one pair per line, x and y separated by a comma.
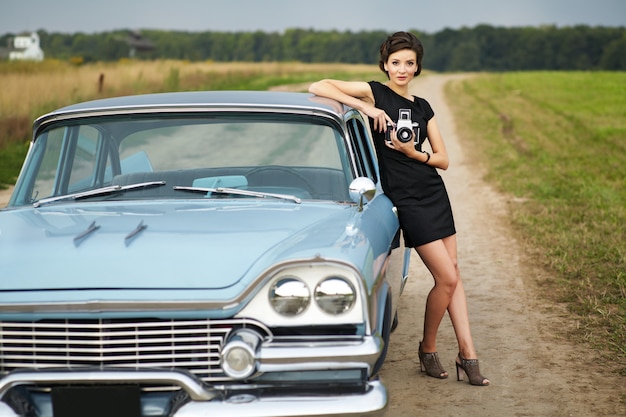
x,y
90,16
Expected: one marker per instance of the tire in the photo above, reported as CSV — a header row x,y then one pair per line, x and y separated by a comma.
x,y
386,336
394,324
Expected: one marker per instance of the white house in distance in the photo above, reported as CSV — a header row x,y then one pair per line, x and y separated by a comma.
x,y
26,47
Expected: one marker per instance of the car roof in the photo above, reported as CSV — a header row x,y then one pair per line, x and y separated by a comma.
x,y
200,100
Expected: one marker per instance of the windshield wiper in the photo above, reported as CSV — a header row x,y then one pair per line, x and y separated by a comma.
x,y
237,191
111,189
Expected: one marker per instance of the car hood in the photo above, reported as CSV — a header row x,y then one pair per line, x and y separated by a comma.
x,y
162,245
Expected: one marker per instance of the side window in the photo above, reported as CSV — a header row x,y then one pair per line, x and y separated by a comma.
x,y
48,150
72,159
84,168
364,149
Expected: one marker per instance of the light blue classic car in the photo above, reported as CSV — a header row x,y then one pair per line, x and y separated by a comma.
x,y
198,254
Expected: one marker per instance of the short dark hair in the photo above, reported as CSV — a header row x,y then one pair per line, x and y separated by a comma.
x,y
397,42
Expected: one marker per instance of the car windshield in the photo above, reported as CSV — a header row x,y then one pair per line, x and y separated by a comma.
x,y
301,156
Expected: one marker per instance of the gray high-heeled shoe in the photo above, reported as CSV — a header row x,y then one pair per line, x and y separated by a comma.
x,y
470,368
429,363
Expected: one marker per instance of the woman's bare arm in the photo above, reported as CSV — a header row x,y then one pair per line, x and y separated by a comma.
x,y
356,94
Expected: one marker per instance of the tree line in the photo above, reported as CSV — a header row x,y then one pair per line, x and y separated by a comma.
x,y
481,48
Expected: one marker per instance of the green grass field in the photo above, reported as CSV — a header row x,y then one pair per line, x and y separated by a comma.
x,y
556,142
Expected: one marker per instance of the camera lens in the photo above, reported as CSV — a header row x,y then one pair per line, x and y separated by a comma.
x,y
404,134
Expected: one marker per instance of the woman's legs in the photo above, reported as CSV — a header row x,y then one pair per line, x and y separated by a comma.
x,y
438,261
458,307
440,257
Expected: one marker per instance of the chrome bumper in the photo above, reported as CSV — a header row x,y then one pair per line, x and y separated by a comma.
x,y
371,403
210,402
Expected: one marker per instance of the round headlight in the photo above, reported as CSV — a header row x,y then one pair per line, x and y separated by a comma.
x,y
335,295
289,296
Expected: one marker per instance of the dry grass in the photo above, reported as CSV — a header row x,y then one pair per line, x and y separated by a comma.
x,y
57,84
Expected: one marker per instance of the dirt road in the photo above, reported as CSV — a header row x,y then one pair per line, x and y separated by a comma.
x,y
533,370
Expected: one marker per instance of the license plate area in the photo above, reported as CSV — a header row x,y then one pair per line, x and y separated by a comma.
x,y
97,401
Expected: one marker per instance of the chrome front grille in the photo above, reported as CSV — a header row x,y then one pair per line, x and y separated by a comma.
x,y
194,345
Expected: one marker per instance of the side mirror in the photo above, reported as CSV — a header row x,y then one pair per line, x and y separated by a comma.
x,y
362,190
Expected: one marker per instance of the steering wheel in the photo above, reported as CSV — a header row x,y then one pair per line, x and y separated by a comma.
x,y
292,179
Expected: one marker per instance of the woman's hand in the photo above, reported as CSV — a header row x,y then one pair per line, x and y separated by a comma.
x,y
407,148
439,156
378,116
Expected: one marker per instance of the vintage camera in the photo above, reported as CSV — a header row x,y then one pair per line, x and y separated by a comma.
x,y
405,127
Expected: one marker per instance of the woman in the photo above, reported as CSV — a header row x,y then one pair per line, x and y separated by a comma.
x,y
409,177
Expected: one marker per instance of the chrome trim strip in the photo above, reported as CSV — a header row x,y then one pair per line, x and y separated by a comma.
x,y
113,306
56,116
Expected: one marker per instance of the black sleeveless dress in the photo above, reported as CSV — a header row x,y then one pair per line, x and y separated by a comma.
x,y
416,189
